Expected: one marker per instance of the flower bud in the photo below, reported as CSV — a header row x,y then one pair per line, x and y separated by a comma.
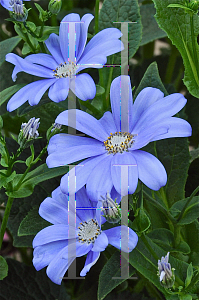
x,y
19,12
194,5
54,6
54,129
28,133
166,274
112,212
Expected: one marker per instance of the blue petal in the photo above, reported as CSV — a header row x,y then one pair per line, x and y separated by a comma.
x,y
163,108
143,101
108,123
44,254
83,86
122,102
127,234
100,181
84,123
53,45
101,243
150,170
73,154
122,184
50,234
84,208
27,92
59,90
91,259
42,59
28,67
82,172
63,140
60,197
177,128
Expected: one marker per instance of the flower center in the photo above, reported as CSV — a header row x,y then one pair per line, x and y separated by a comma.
x,y
68,69
119,142
88,231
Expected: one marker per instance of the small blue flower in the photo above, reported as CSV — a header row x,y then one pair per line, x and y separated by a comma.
x,y
69,55
166,273
9,4
51,243
149,119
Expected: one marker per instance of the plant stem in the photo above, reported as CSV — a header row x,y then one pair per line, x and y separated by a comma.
x,y
194,45
5,219
187,203
171,64
96,16
92,108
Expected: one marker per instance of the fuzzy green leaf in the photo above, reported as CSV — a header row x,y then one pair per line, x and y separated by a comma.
x,y
7,46
7,93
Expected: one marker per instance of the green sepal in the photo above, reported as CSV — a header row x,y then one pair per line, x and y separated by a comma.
x,y
3,268
43,14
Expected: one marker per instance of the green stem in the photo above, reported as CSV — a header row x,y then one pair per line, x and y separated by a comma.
x,y
97,16
194,44
171,64
41,30
29,42
106,98
12,161
187,203
5,219
88,105
42,47
30,31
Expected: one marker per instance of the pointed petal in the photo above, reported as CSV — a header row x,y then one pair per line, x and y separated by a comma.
x,y
83,86
100,181
59,90
84,123
101,243
150,170
122,232
39,89
108,123
53,45
121,102
91,259
119,161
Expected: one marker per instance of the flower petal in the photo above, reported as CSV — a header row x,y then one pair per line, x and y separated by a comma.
x,y
73,154
42,59
122,233
124,185
53,45
121,102
142,102
39,89
150,170
91,259
29,67
59,90
83,86
101,243
84,208
100,181
84,123
108,123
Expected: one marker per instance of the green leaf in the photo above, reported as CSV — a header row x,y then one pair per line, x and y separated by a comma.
x,y
151,78
111,269
32,223
191,213
7,46
3,268
121,11
1,122
4,179
99,90
177,24
7,93
185,297
151,31
141,222
192,238
43,14
26,49
24,282
189,275
47,30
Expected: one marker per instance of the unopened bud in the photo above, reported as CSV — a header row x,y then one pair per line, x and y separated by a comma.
x,y
194,5
112,212
166,273
54,6
28,133
19,12
54,129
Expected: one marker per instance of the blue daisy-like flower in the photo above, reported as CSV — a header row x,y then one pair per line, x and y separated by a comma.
x,y
148,119
8,4
51,244
69,55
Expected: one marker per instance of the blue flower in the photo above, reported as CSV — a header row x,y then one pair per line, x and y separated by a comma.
x,y
68,57
8,4
149,119
51,244
166,273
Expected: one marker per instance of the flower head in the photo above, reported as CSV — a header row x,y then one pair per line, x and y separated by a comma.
x,y
19,12
116,142
28,132
9,4
81,228
69,55
166,274
112,212
54,6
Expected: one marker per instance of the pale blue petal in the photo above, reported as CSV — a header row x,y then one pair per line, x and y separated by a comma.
x,y
150,170
42,59
108,123
53,45
122,102
127,185
101,243
39,89
59,90
84,208
115,234
91,259
83,86
84,123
